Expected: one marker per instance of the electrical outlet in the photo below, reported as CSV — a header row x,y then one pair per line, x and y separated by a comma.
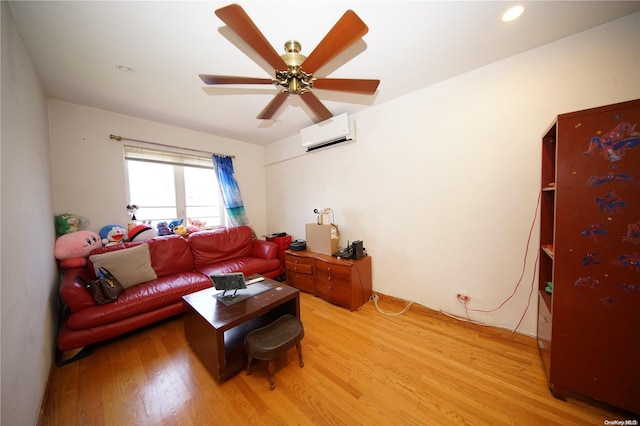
x,y
463,297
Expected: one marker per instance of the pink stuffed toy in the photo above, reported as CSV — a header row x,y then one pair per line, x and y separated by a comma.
x,y
72,249
195,225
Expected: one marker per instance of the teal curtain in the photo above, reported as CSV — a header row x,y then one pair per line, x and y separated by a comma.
x,y
230,191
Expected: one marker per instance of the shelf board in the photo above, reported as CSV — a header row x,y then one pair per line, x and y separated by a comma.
x,y
548,248
547,299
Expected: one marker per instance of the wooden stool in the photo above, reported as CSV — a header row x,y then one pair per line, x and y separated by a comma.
x,y
272,340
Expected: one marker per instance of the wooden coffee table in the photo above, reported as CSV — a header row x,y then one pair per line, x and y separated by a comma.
x,y
216,332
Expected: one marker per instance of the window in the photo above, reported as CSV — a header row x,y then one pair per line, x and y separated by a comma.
x,y
167,186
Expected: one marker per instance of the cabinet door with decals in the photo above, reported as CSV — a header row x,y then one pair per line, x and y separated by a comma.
x,y
596,248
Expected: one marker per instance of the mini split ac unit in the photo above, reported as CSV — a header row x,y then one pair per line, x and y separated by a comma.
x,y
333,131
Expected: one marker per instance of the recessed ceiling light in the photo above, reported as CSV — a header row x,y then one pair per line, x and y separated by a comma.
x,y
512,13
125,69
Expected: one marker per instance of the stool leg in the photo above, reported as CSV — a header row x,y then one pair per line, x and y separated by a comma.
x,y
271,369
249,365
299,349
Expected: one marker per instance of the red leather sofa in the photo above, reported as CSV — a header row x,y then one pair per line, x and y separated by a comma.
x,y
182,266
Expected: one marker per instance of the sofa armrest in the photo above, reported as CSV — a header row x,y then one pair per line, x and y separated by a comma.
x,y
264,249
74,294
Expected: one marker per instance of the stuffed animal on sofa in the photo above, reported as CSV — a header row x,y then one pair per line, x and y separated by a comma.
x,y
175,223
181,230
163,229
66,223
72,249
141,232
112,234
195,225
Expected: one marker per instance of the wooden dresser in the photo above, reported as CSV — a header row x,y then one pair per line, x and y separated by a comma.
x,y
344,282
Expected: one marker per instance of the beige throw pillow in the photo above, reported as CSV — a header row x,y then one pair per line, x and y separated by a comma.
x,y
130,266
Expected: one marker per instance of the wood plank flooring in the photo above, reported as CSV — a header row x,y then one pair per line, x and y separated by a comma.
x,y
361,368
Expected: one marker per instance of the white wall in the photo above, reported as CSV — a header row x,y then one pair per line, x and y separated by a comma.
x,y
28,277
88,166
442,184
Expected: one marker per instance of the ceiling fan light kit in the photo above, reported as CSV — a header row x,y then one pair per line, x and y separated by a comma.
x,y
293,71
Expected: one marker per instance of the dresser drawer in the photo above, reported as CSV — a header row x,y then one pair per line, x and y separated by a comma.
x,y
303,282
332,272
301,265
334,292
299,268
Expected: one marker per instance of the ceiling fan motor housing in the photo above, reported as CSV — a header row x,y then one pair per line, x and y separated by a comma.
x,y
294,80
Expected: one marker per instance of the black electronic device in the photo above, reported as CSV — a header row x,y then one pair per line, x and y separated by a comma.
x,y
354,250
358,249
298,245
233,281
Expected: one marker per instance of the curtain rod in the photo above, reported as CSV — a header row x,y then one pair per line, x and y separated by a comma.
x,y
120,138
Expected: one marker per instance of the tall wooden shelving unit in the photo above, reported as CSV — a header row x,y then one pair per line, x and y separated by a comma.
x,y
589,323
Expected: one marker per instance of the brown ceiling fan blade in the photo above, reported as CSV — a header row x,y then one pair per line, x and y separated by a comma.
x,y
344,33
239,22
347,85
320,111
230,79
273,106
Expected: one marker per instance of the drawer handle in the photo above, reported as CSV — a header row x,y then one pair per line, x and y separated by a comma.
x,y
329,269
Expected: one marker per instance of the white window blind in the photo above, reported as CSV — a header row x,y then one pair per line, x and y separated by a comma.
x,y
166,157
168,185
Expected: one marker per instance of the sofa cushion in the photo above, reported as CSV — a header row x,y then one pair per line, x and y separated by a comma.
x,y
247,265
69,339
219,245
131,266
141,298
170,255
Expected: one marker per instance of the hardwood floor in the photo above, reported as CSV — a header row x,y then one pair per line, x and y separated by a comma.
x,y
361,368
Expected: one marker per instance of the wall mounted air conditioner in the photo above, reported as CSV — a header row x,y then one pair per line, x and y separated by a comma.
x,y
333,131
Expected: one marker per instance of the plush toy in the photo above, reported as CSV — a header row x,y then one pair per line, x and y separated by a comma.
x,y
195,225
141,233
66,223
180,230
163,229
72,249
174,223
112,234
132,209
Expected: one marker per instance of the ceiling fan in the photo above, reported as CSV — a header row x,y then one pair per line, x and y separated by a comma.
x,y
293,70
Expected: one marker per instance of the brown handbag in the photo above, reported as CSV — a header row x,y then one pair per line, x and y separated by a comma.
x,y
105,288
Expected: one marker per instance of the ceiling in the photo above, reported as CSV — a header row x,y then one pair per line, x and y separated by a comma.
x,y
77,46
